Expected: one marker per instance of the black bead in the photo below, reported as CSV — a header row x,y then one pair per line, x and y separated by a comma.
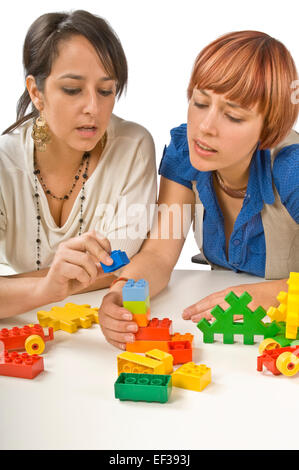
x,y
48,191
66,197
85,175
76,177
38,262
38,217
38,240
36,195
80,220
82,198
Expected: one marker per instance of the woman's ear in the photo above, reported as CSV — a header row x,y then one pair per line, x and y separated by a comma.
x,y
35,95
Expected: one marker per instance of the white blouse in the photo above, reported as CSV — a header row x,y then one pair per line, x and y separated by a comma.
x,y
120,196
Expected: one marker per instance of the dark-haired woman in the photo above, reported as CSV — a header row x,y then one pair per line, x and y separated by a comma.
x,y
70,170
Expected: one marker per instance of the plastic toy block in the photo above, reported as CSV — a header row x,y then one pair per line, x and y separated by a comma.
x,y
192,376
280,361
181,351
163,356
29,337
134,363
144,346
224,323
137,307
142,320
120,259
159,330
69,317
186,337
288,309
21,365
136,291
143,387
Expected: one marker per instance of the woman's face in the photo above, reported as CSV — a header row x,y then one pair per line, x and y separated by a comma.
x,y
78,96
221,134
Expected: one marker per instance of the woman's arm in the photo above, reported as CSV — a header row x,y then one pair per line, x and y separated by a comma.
x,y
154,262
75,269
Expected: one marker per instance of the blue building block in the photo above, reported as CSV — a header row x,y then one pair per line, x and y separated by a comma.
x,y
120,259
135,291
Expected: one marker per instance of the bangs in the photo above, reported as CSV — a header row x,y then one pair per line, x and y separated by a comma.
x,y
249,68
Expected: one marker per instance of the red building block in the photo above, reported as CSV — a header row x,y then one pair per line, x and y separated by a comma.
x,y
181,351
15,338
157,330
21,365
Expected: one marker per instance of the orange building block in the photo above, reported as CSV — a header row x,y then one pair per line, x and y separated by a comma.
x,y
21,365
156,330
144,346
181,351
185,337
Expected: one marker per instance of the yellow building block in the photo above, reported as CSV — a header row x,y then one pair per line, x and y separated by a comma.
x,y
69,317
163,356
135,364
192,376
288,310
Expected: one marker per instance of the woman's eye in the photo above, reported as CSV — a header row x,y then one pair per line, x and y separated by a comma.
x,y
71,91
105,92
233,119
200,105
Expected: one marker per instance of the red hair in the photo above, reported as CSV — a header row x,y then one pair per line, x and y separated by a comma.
x,y
251,67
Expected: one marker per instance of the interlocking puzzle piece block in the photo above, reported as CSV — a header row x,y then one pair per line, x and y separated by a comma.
x,y
21,365
144,346
134,363
181,351
163,356
159,330
224,321
120,259
192,376
69,317
185,337
136,291
143,387
29,337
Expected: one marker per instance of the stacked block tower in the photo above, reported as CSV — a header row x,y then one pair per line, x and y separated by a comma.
x,y
153,333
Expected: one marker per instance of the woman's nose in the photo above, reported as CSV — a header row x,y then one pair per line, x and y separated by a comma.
x,y
208,123
91,104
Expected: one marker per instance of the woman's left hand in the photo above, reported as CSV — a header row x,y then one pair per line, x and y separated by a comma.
x,y
263,294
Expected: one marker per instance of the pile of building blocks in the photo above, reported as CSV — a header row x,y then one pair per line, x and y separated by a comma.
x,y
21,365
224,323
69,317
288,310
120,259
153,333
32,338
280,361
159,364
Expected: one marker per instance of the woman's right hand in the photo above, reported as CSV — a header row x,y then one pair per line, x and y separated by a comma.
x,y
76,265
115,321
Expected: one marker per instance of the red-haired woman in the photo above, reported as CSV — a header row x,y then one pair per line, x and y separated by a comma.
x,y
236,163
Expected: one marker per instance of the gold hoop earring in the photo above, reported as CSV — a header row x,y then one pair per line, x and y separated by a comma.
x,y
41,133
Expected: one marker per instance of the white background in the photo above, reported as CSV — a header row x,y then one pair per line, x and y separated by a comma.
x,y
161,40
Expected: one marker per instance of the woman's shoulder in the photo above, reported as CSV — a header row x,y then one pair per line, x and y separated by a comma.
x,y
119,127
13,145
286,166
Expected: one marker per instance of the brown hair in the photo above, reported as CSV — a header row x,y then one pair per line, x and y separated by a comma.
x,y
251,67
41,48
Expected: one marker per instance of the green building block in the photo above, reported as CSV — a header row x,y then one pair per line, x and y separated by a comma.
x,y
224,323
137,306
143,387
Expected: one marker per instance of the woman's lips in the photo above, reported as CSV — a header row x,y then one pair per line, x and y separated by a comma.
x,y
87,131
203,149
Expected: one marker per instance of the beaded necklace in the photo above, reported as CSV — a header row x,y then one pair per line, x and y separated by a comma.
x,y
36,172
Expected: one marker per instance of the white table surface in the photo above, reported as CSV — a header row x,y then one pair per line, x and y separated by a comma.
x,y
71,404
